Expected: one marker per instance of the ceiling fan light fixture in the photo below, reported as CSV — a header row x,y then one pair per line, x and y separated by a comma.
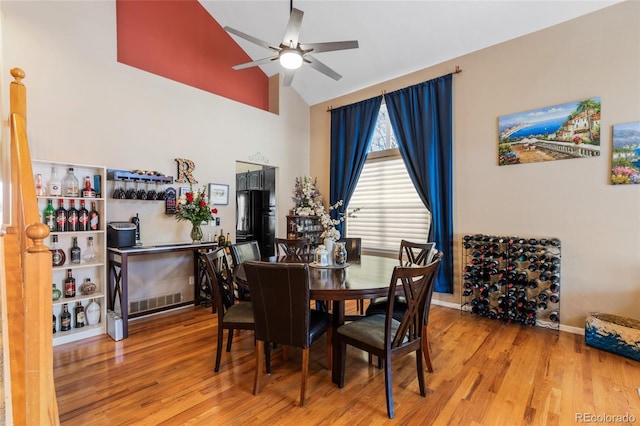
x,y
290,59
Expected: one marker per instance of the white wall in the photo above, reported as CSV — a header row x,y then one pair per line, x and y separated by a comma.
x,y
85,107
599,224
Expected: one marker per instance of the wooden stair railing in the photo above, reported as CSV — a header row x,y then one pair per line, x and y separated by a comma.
x,y
27,280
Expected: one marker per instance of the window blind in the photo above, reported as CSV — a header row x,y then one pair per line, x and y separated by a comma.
x,y
390,208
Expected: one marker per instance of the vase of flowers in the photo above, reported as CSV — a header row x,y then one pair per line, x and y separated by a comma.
x,y
306,196
194,207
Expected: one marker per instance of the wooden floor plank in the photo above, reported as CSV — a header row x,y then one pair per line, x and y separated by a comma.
x,y
485,373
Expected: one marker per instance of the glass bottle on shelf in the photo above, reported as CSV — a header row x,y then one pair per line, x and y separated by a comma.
x,y
79,314
72,217
49,216
74,251
94,217
92,312
56,294
65,318
83,217
87,190
221,239
90,253
69,285
54,188
54,323
40,191
57,254
61,217
70,185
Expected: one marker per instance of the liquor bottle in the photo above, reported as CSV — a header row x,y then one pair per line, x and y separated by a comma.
x,y
69,285
92,312
65,318
55,293
227,242
54,188
94,217
72,217
74,251
61,217
40,191
97,185
83,217
49,216
90,253
57,254
70,185
79,314
88,191
221,239
54,323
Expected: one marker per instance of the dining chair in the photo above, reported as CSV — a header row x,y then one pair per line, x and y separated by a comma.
x,y
399,307
384,336
292,246
281,297
416,253
231,315
241,252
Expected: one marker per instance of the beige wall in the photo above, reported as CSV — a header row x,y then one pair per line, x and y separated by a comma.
x,y
599,224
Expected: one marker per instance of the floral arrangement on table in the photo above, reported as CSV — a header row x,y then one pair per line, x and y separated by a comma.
x,y
309,203
194,207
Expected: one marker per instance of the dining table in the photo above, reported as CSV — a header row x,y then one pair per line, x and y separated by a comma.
x,y
366,278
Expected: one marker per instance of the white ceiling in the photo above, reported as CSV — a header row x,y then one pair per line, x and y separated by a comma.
x,y
395,37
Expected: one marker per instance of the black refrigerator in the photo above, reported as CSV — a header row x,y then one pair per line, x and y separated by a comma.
x,y
255,220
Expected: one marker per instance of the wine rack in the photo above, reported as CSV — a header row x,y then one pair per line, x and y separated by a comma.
x,y
512,279
94,269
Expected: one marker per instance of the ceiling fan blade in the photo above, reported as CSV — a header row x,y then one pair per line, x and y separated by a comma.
x,y
254,63
319,66
251,39
330,46
288,77
292,32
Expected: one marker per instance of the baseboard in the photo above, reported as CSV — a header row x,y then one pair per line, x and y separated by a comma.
x,y
567,328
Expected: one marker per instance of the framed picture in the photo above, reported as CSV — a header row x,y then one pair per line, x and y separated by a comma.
x,y
183,191
625,155
218,194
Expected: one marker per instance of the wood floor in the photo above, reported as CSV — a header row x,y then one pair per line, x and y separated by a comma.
x,y
485,373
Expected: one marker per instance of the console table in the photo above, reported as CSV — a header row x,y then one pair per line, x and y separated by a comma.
x,y
118,259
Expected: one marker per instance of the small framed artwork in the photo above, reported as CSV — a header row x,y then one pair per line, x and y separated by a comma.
x,y
183,190
218,194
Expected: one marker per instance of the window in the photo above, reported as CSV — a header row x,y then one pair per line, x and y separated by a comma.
x,y
390,208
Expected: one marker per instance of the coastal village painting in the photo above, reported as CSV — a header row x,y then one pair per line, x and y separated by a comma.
x,y
625,155
558,132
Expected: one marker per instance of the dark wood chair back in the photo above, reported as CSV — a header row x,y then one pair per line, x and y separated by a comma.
x,y
354,248
416,253
292,246
241,252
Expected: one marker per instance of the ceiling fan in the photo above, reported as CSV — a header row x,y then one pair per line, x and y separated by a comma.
x,y
291,53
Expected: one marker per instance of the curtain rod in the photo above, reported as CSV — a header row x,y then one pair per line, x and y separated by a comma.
x,y
458,70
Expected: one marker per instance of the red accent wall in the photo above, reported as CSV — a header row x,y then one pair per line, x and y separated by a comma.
x,y
180,40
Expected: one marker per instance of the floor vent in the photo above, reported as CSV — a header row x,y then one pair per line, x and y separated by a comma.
x,y
155,302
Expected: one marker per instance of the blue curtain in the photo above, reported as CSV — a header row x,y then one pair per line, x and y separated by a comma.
x,y
351,131
421,118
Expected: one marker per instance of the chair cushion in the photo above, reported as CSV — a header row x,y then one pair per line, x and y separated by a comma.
x,y
239,313
379,307
369,330
319,322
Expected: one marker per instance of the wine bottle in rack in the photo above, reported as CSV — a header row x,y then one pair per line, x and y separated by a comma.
x,y
69,285
49,216
554,316
83,217
72,217
54,187
61,217
65,318
74,252
57,254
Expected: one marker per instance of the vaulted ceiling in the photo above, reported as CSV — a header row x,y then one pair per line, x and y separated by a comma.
x,y
396,37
